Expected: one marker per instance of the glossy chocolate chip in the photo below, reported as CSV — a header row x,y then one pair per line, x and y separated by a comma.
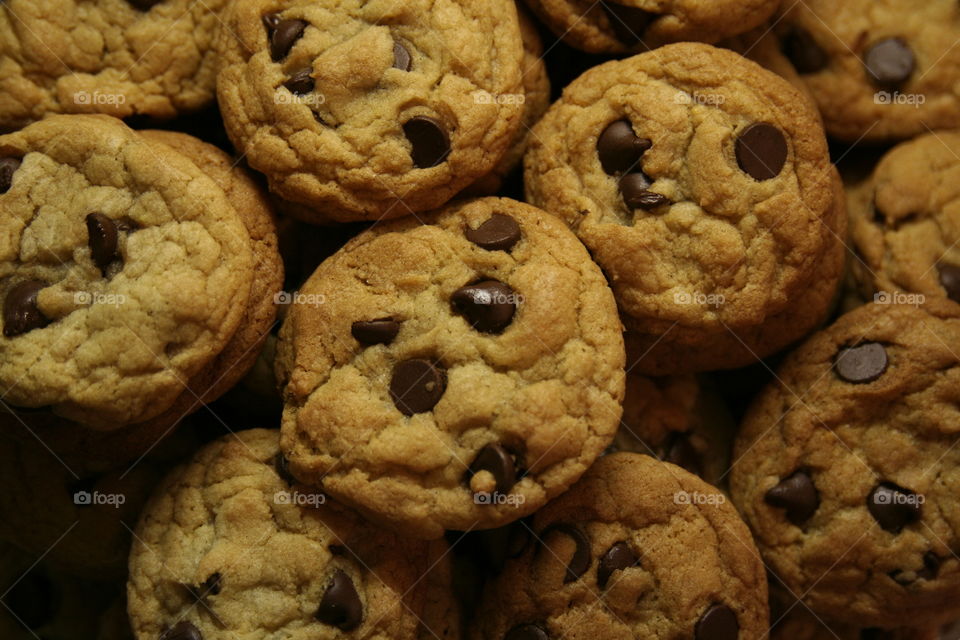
x,y
950,280
797,495
102,238
498,461
629,23
283,35
144,5
580,561
893,506
619,148
183,630
380,331
282,466
8,167
636,193
527,632
270,22
20,311
431,144
862,364
33,599
889,62
761,151
499,233
300,83
620,556
417,386
488,305
719,622
340,606
680,451
931,566
803,51
401,57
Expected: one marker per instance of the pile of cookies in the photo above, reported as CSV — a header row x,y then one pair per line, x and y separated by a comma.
x,y
443,319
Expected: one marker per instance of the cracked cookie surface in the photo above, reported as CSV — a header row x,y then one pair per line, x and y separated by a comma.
x,y
117,295
122,57
612,558
371,110
846,469
702,186
452,373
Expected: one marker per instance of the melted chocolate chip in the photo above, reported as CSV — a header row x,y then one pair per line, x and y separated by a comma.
x,y
719,622
620,556
581,560
636,193
499,233
8,167
183,630
144,5
283,34
950,280
761,151
300,83
429,139
340,606
380,331
862,364
893,506
619,148
401,57
20,311
803,51
629,23
417,386
211,586
498,461
527,632
488,305
797,495
102,238
889,62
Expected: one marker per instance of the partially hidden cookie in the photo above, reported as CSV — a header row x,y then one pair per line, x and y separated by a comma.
x,y
639,25
637,549
123,57
229,547
905,223
135,284
702,186
878,71
370,110
799,623
846,467
451,371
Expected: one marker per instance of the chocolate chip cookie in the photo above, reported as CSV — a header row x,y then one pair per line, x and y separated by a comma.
x,y
701,184
878,70
614,558
638,25
134,283
454,371
846,468
799,623
230,547
905,222
371,110
123,58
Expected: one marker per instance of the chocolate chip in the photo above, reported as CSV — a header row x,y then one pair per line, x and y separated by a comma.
x,y
498,461
20,311
628,23
499,233
211,586
488,305
183,630
300,83
33,599
282,36
401,57
803,51
619,148
931,566
282,466
620,556
889,62
380,331
270,21
798,495
144,5
431,144
527,632
636,195
8,167
417,386
761,151
893,506
862,364
718,623
680,451
340,606
950,280
102,238
580,561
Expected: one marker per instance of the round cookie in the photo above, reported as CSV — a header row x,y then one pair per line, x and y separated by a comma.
x,y
454,371
638,25
623,555
905,223
134,296
846,468
119,57
879,70
370,110
702,186
228,548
